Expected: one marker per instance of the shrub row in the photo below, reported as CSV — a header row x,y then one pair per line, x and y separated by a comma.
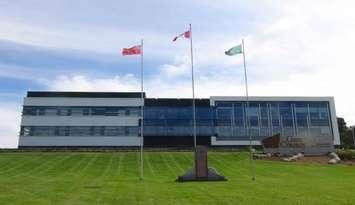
x,y
346,154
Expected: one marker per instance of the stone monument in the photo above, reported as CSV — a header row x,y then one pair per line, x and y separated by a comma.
x,y
201,171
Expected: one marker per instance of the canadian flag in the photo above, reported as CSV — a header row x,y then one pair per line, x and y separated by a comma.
x,y
135,50
186,34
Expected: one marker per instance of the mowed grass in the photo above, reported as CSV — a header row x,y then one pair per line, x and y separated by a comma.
x,y
113,178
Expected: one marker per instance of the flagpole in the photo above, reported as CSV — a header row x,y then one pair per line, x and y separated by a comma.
x,y
142,114
193,90
247,108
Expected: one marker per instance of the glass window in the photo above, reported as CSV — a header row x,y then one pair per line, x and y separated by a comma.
x,y
319,114
301,112
80,131
41,111
76,111
97,130
264,115
238,114
286,114
253,109
86,111
114,131
29,111
224,113
127,112
25,131
98,111
62,131
274,114
50,111
111,111
63,111
253,114
42,131
131,131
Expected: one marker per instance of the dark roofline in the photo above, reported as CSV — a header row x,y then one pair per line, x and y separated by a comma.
x,y
147,101
85,94
176,102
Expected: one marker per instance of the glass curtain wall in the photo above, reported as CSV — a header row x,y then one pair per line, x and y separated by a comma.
x,y
227,120
270,118
177,121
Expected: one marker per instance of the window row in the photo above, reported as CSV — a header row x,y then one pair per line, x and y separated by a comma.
x,y
79,131
165,112
81,111
178,122
267,114
226,131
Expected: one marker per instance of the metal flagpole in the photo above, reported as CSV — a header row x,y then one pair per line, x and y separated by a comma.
x,y
193,89
142,113
247,108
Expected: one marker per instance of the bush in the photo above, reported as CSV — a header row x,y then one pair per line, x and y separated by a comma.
x,y
346,154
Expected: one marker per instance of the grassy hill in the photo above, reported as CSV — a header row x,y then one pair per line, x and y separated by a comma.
x,y
112,178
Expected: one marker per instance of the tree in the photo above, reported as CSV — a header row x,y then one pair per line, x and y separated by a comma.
x,y
346,137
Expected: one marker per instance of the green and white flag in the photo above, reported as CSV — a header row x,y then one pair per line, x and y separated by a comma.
x,y
234,50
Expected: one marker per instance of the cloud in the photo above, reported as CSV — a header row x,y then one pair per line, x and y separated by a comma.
x,y
179,68
9,128
85,83
292,47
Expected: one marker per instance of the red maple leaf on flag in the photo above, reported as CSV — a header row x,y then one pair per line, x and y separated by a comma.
x,y
186,34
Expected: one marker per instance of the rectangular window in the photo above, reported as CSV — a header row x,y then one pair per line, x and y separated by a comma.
x,y
134,111
86,111
80,131
50,111
98,111
111,111
97,130
286,117
63,111
62,131
25,131
29,111
43,131
41,111
318,114
76,111
274,118
132,131
301,112
239,114
253,114
114,131
264,115
127,112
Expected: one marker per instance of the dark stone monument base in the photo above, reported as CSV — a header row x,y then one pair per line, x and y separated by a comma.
x,y
190,175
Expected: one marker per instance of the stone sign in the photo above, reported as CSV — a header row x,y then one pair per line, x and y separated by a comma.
x,y
201,162
309,145
201,171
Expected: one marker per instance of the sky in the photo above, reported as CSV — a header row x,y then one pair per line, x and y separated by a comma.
x,y
293,48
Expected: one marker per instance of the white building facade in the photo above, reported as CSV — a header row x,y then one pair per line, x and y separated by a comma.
x,y
80,119
99,119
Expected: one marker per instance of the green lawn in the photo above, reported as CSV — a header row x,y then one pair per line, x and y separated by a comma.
x,y
112,178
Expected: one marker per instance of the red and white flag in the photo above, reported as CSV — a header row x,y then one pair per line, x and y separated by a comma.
x,y
186,34
135,50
